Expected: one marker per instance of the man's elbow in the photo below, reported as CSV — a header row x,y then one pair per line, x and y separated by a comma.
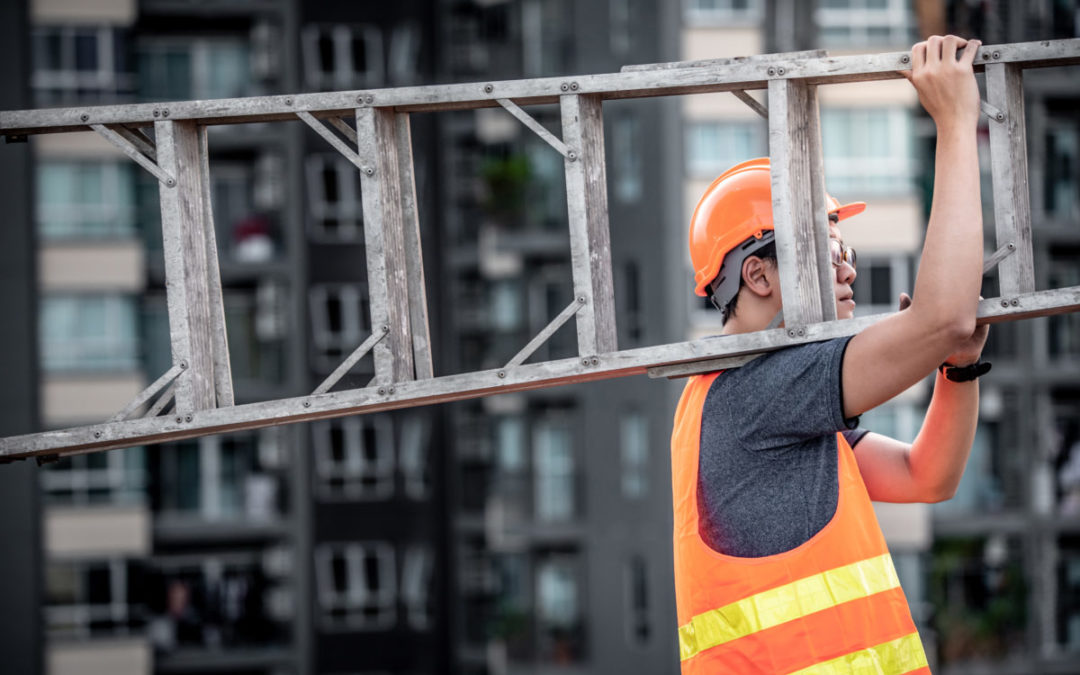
x,y
939,492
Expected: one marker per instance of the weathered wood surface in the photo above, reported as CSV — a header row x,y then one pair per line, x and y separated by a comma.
x,y
378,398
747,74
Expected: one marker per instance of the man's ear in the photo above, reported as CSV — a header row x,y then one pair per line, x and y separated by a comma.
x,y
758,276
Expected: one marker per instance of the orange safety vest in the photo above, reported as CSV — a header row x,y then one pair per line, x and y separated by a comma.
x,y
831,605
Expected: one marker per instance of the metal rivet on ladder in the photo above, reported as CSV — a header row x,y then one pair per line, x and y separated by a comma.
x,y
584,362
390,390
997,55
183,364
905,59
97,434
369,99
488,88
780,71
595,360
179,420
564,87
1015,302
85,118
581,299
187,418
165,112
157,113
1000,117
1004,303
288,101
307,404
573,86
171,183
771,71
572,156
386,328
369,171
382,391
502,373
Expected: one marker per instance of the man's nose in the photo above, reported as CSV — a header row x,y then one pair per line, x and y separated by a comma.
x,y
845,273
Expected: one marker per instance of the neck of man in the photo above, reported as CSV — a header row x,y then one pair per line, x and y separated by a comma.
x,y
754,313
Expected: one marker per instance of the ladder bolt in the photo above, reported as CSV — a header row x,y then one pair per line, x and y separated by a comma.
x,y
1004,303
1015,302
179,420
85,117
157,113
1000,117
288,101
187,418
165,112
780,70
382,391
390,390
171,182
584,362
369,171
564,87
997,55
595,360
573,86
791,332
97,434
801,332
905,59
771,71
572,156
386,328
581,299
488,88
502,373
183,364
369,99
307,404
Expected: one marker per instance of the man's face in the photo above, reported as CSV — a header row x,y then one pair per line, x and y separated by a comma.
x,y
844,277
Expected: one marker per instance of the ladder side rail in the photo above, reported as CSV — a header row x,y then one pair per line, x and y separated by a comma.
x,y
219,338
587,208
413,250
798,196
483,383
1009,166
184,247
384,243
749,74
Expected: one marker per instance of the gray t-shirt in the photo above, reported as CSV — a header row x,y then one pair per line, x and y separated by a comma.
x,y
767,471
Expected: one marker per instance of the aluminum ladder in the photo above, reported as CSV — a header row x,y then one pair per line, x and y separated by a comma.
x,y
195,396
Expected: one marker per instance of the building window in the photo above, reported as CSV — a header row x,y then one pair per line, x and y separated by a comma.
x,y
627,161
115,477
868,151
356,585
81,64
1069,593
620,26
186,69
866,23
92,598
335,207
416,575
244,233
89,200
415,457
554,471
632,319
634,453
342,57
210,601
880,281
558,608
88,333
1062,186
1063,333
638,626
340,322
722,12
714,147
354,457
216,478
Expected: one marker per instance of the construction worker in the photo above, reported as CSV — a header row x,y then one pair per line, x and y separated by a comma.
x,y
780,566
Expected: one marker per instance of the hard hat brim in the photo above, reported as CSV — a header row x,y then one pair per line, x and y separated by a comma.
x,y
849,210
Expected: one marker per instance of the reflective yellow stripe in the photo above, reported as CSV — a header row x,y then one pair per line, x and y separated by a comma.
x,y
786,603
901,655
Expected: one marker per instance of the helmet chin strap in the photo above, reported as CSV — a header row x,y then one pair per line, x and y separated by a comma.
x,y
776,320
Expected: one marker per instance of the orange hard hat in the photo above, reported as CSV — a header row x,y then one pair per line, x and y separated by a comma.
x,y
737,207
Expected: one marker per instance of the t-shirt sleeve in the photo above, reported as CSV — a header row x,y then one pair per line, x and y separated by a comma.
x,y
788,396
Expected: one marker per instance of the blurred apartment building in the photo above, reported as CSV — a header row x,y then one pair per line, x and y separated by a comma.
x,y
519,533
993,574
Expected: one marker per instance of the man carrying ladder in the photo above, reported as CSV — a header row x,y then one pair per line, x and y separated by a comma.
x,y
780,566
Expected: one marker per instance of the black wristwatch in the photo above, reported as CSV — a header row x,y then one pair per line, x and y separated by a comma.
x,y
964,373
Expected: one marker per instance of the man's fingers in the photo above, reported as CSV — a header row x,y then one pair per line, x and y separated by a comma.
x,y
918,56
933,49
968,57
949,46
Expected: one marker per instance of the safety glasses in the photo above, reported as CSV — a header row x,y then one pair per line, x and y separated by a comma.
x,y
841,254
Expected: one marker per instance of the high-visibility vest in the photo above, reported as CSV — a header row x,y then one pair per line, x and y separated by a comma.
x,y
831,605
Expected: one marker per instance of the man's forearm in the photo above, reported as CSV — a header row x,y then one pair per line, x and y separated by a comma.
x,y
941,450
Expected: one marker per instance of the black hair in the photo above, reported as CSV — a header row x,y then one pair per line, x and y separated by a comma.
x,y
766,252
